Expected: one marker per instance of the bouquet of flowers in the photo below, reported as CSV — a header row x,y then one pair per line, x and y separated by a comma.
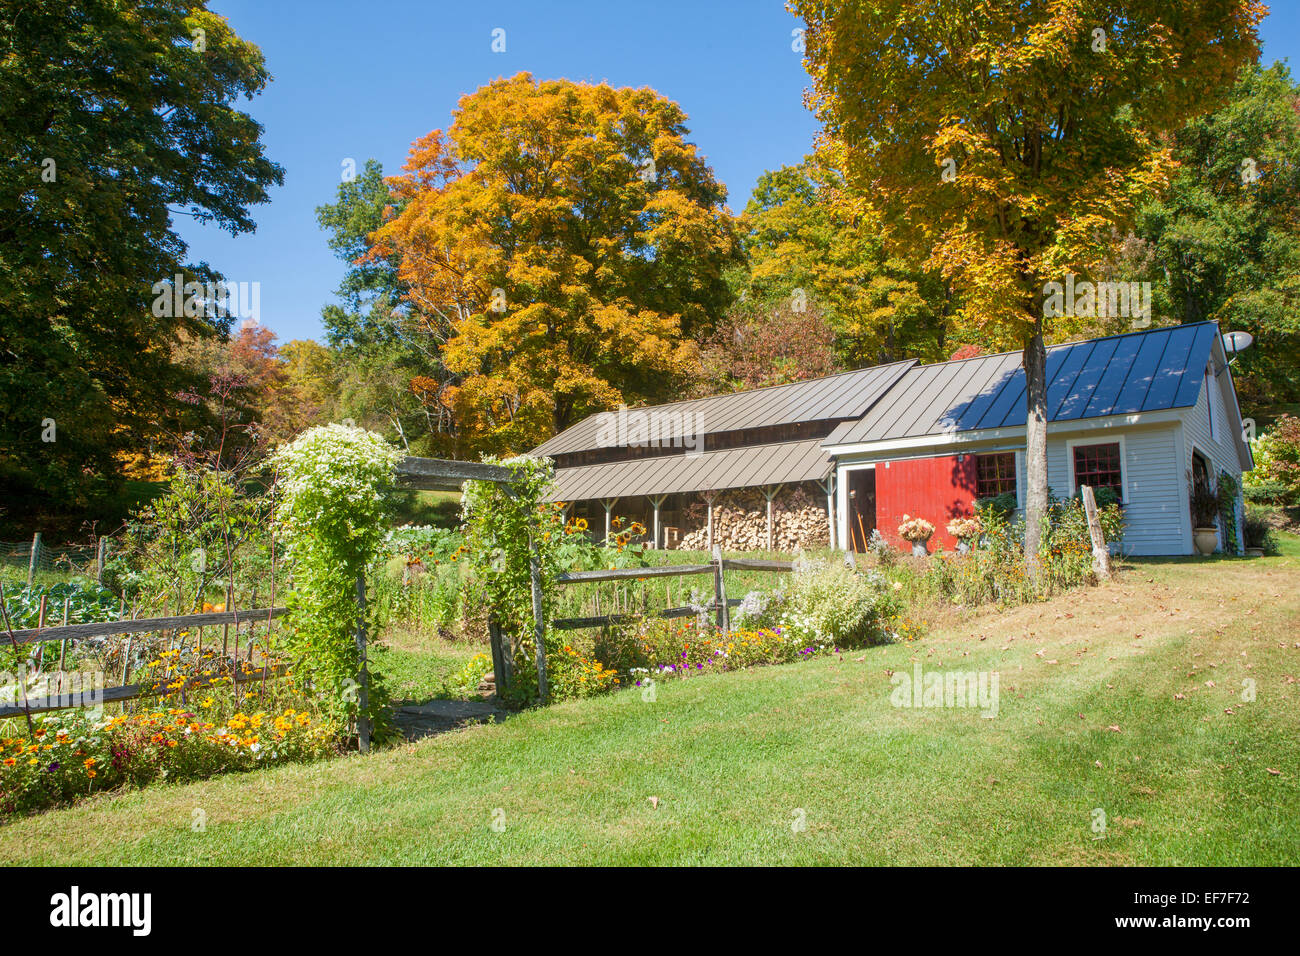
x,y
915,529
963,529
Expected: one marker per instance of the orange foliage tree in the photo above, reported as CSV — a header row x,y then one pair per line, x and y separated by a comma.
x,y
563,245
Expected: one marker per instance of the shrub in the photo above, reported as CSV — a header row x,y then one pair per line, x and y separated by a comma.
x,y
1257,530
832,603
1277,461
333,506
464,683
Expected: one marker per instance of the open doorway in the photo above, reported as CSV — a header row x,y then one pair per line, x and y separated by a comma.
x,y
862,507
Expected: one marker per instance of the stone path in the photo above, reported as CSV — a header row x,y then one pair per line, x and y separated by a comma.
x,y
439,716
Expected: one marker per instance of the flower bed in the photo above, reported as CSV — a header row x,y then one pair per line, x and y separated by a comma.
x,y
68,756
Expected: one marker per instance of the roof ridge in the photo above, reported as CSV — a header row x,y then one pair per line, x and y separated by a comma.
x,y
765,388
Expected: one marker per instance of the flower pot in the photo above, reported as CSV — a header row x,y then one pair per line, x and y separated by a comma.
x,y
963,546
919,549
1206,540
1254,552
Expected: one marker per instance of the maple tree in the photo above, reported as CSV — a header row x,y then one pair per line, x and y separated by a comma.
x,y
812,240
563,243
1003,140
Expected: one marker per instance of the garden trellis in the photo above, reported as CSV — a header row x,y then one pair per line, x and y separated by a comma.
x,y
435,474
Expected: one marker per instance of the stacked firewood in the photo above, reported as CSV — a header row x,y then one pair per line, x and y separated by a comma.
x,y
740,521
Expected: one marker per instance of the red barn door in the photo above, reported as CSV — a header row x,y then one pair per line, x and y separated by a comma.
x,y
937,489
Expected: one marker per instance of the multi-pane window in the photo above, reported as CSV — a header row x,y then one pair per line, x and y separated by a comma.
x,y
1099,467
995,474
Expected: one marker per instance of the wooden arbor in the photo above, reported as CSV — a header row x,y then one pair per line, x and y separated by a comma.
x,y
436,474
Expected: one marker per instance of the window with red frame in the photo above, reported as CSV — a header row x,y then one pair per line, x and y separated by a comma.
x,y
995,474
1099,467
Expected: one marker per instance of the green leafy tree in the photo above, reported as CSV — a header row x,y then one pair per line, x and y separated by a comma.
x,y
1004,140
1226,235
812,242
115,117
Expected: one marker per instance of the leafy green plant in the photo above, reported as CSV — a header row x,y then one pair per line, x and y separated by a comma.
x,y
1277,463
1257,530
831,603
333,503
1227,493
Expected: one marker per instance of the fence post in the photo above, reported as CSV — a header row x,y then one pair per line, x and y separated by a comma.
x,y
539,625
720,594
501,659
31,564
1100,553
100,558
363,693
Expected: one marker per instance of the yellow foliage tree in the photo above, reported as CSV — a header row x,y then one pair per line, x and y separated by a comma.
x,y
1004,140
563,243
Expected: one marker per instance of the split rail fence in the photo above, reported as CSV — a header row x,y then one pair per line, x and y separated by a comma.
x,y
63,633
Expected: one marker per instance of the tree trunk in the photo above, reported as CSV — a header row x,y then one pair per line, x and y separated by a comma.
x,y
1035,361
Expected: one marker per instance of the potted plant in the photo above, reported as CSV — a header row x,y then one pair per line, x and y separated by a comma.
x,y
1205,516
966,530
1257,533
917,531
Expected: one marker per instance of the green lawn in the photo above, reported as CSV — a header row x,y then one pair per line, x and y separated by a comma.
x,y
734,760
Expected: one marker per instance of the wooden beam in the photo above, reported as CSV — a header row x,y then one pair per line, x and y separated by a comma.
x,y
577,623
757,564
437,474
617,574
141,625
363,674
113,695
770,492
720,595
608,505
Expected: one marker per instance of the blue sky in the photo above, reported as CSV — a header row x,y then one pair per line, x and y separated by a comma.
x,y
363,79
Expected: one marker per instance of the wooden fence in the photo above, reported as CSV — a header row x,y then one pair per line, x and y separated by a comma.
x,y
720,605
124,692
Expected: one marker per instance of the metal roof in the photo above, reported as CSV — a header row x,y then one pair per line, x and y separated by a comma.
x,y
744,467
846,395
1145,371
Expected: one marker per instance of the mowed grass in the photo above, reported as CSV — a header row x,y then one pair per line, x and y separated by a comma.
x,y
1088,720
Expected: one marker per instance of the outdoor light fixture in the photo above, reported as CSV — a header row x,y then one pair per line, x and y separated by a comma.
x,y
1234,342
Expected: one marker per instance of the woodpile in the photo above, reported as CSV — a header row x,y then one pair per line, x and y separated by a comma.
x,y
740,521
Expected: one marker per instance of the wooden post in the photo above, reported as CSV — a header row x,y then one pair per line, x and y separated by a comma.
x,y
608,505
501,657
31,564
363,677
770,492
720,595
708,543
63,649
657,501
1100,553
101,558
828,486
539,623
